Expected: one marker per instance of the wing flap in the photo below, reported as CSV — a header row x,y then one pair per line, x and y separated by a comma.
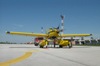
x,y
75,35
27,34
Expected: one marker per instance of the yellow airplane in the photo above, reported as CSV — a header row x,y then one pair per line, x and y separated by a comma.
x,y
52,33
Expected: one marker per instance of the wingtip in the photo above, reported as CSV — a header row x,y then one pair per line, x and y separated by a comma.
x,y
7,32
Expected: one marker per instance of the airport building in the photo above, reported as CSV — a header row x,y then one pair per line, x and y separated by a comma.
x,y
83,40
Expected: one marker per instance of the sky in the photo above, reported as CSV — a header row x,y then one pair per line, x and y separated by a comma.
x,y
80,16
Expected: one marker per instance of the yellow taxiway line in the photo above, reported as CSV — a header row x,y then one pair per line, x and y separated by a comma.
x,y
23,57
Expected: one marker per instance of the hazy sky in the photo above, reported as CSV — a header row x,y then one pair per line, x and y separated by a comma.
x,y
81,16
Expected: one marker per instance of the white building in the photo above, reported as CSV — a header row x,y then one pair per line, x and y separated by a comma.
x,y
83,40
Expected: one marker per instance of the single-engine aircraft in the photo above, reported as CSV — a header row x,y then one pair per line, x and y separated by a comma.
x,y
52,33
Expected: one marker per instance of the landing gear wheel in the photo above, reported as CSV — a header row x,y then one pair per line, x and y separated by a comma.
x,y
36,44
60,46
41,46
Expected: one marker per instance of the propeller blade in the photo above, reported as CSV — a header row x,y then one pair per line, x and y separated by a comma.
x,y
58,27
61,30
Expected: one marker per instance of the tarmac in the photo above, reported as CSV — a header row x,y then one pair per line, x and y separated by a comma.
x,y
30,55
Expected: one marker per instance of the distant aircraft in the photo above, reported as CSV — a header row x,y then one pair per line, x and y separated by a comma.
x,y
52,34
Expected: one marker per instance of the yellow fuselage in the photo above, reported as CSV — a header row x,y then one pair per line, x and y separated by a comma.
x,y
53,35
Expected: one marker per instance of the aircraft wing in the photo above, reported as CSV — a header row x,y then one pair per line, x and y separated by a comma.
x,y
75,35
27,34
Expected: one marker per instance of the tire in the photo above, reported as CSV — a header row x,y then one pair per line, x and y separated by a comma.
x,y
36,44
41,46
60,46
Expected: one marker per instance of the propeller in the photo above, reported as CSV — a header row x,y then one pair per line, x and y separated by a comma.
x,y
61,30
58,27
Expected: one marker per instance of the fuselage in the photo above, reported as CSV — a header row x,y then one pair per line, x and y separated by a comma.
x,y
53,33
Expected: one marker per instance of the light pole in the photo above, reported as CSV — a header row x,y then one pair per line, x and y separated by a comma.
x,y
62,23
